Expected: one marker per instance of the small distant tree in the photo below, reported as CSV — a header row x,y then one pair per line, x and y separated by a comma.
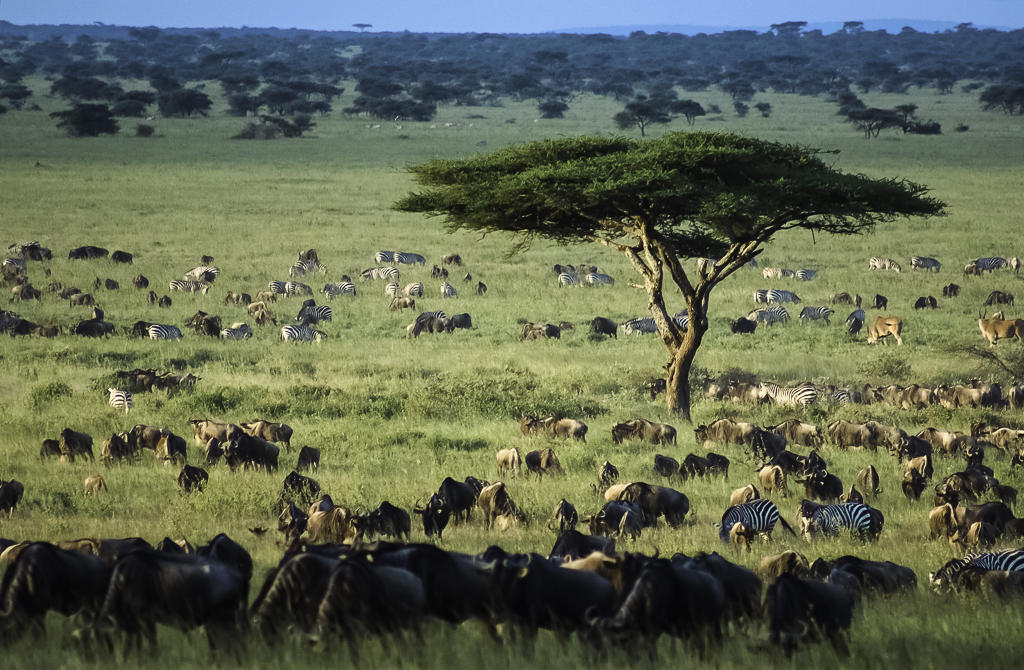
x,y
741,108
765,108
873,120
690,109
643,111
908,112
15,94
86,120
739,89
362,26
133,108
1009,99
144,130
552,109
242,104
184,102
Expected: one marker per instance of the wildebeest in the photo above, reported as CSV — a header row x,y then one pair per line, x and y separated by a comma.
x,y
822,485
540,331
74,444
950,291
387,520
459,496
86,252
868,480
999,298
642,429
655,501
564,517
978,535
554,426
604,326
305,488
880,302
309,460
797,610
884,326
913,484
192,479
881,576
798,432
665,466
11,493
607,474
543,462
509,462
572,545
743,325
742,495
926,302
269,431
497,506
723,431
247,452
773,480
119,447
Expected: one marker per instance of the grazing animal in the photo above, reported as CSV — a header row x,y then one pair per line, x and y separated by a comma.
x,y
543,462
863,521
189,286
309,460
816,314
999,298
302,334
237,332
340,288
804,394
448,291
639,326
563,518
192,479
119,399
884,326
743,325
498,507
868,480
876,263
925,263
769,315
602,326
159,331
11,493
773,480
758,516
642,429
1011,560
509,462
995,329
743,495
926,302
950,291
796,610
94,484
607,474
435,515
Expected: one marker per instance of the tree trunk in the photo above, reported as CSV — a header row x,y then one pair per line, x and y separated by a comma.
x,y
677,382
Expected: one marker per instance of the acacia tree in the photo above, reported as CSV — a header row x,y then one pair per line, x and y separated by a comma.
x,y
684,195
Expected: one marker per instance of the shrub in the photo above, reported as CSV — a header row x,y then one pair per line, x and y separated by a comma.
x,y
143,130
48,392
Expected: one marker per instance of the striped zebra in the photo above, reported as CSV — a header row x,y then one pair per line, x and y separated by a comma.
x,y
304,266
816,314
876,263
1010,560
297,288
776,273
761,296
414,290
278,287
393,289
15,263
302,334
774,295
770,315
596,278
640,326
239,331
568,279
759,516
160,331
990,263
120,399
806,275
384,257
828,519
406,258
189,286
385,272
427,316
682,319
315,314
924,263
804,394
448,291
341,288
201,271
839,397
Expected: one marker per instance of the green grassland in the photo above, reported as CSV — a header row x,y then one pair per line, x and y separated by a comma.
x,y
393,416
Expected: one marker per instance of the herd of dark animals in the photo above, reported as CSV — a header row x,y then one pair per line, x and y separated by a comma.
x,y
337,583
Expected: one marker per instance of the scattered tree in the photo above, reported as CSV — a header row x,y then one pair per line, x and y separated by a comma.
x,y
144,130
765,108
685,195
86,120
690,109
184,102
1009,99
741,108
552,109
873,120
908,112
643,111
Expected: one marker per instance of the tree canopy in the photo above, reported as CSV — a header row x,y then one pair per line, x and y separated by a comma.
x,y
683,195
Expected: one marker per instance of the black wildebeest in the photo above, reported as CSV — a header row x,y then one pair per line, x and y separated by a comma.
x,y
435,515
743,325
603,326
387,520
193,479
798,609
881,302
573,544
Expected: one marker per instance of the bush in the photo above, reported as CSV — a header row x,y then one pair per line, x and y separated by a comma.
x,y
889,366
142,130
258,131
48,392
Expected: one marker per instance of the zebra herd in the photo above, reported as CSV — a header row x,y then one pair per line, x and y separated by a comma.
x,y
783,273
401,257
567,275
769,296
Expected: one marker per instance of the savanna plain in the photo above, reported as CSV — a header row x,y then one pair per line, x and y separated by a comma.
x,y
394,416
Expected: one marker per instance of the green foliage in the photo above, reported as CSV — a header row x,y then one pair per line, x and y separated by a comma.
x,y
86,120
887,365
48,392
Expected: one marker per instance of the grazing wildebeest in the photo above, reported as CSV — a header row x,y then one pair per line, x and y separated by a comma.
x,y
950,291
797,609
192,479
642,429
564,517
11,493
880,302
309,460
572,545
543,462
435,515
387,520
509,462
498,507
743,325
603,326
607,474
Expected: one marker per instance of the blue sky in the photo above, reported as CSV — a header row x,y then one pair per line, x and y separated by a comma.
x,y
493,16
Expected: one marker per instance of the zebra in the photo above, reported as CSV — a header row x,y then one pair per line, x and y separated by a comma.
x,y
776,273
761,295
15,262
302,333
806,275
839,397
159,331
774,295
303,267
341,288
384,257
393,289
278,287
297,288
120,399
427,316
189,286
595,278
237,332
414,289
448,291
408,258
385,272
1010,560
759,516
816,314
200,271
770,315
682,319
876,263
315,314
924,263
639,326
829,519
804,394
568,279
989,264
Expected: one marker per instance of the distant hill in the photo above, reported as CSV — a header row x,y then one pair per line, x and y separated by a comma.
x,y
889,25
